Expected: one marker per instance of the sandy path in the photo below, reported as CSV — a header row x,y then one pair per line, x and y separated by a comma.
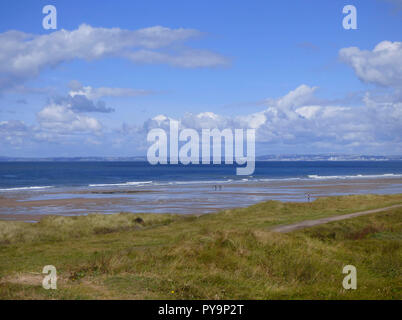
x,y
311,223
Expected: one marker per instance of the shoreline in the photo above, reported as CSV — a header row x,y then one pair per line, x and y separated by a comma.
x,y
192,198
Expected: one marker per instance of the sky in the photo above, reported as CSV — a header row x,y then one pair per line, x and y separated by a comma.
x,y
113,70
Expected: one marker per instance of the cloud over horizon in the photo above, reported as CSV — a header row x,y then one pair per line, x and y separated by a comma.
x,y
295,119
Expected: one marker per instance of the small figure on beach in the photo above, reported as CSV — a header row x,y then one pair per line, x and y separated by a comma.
x,y
308,197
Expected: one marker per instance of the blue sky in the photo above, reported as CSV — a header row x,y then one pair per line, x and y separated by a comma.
x,y
276,66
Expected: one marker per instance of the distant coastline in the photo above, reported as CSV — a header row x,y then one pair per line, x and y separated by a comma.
x,y
285,157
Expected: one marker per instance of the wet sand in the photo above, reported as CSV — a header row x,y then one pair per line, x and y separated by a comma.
x,y
183,199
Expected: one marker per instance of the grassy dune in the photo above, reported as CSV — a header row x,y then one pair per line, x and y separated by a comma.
x,y
228,255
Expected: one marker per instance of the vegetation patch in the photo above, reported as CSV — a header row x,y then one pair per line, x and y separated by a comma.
x,y
227,255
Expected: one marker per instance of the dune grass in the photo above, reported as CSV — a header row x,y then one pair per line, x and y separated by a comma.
x,y
59,228
228,255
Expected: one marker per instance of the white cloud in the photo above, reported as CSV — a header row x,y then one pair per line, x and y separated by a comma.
x,y
298,97
24,55
13,132
308,112
80,103
381,66
77,89
60,118
186,59
291,120
253,121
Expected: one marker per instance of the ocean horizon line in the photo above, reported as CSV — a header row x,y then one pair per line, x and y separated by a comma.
x,y
281,157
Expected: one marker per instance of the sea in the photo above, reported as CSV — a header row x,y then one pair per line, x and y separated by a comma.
x,y
186,188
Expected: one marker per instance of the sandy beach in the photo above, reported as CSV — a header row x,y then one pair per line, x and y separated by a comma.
x,y
191,198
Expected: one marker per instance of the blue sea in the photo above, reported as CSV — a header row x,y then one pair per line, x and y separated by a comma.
x,y
109,187
33,175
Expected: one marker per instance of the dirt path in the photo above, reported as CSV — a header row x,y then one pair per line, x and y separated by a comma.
x,y
311,223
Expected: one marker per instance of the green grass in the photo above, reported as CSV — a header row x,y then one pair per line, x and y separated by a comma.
x,y
228,255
